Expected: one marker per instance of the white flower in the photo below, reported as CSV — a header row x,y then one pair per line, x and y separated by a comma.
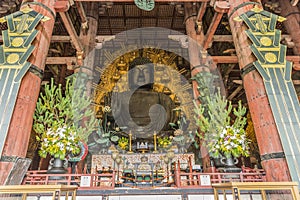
x,y
60,144
224,131
61,134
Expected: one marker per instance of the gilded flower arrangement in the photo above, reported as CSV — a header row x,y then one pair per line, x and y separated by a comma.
x,y
123,143
164,142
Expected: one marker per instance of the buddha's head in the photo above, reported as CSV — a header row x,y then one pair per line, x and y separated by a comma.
x,y
141,73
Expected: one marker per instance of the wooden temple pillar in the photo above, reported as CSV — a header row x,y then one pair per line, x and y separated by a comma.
x,y
88,41
17,137
195,40
199,59
292,23
268,138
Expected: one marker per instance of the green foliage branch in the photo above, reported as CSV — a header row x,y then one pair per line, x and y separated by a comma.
x,y
221,125
59,109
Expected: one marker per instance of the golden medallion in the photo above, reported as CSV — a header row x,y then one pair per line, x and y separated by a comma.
x,y
17,42
266,41
12,58
271,57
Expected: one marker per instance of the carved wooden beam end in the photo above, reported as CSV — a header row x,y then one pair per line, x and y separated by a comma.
x,y
62,6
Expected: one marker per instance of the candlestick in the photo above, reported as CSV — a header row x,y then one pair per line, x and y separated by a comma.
x,y
130,144
155,145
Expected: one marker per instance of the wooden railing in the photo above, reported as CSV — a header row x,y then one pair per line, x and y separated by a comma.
x,y
55,190
266,190
107,181
187,180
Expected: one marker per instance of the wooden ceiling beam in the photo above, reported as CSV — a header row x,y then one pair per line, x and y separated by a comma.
x,y
62,7
60,60
216,59
220,7
129,1
240,82
235,92
201,12
211,30
81,12
71,31
216,38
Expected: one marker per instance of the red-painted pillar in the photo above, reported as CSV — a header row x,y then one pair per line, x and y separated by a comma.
x,y
292,23
267,135
21,123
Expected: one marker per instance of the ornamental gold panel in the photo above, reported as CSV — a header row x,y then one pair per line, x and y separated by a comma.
x,y
12,58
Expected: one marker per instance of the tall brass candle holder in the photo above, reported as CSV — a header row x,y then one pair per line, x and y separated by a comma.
x,y
130,142
155,144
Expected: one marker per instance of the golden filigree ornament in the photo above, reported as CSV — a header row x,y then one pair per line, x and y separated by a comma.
x,y
167,91
12,58
17,42
257,9
26,9
266,41
271,57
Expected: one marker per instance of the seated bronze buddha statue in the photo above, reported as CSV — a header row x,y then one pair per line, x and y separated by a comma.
x,y
142,110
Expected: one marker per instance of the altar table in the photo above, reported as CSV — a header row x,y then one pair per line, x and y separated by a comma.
x,y
130,160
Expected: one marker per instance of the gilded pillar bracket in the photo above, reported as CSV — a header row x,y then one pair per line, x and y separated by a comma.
x,y
276,73
14,53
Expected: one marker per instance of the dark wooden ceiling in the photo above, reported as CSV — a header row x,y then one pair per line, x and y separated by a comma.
x,y
117,17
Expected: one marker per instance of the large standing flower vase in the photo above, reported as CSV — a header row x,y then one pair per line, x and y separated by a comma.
x,y
230,164
57,167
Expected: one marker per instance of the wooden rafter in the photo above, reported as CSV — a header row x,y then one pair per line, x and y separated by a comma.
x,y
235,92
181,1
216,59
221,7
216,38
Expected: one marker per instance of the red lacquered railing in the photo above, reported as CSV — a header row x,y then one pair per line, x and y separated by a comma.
x,y
96,181
107,181
187,180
